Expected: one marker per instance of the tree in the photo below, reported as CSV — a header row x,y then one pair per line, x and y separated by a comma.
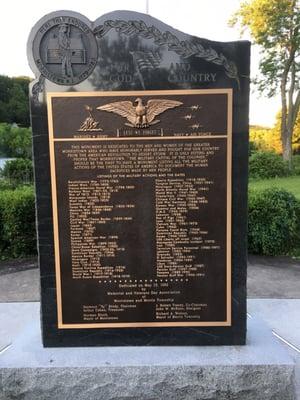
x,y
296,135
14,103
275,26
265,139
15,141
269,139
296,131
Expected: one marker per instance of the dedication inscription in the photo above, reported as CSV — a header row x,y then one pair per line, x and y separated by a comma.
x,y
141,196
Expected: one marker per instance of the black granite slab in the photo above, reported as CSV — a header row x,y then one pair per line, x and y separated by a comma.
x,y
114,46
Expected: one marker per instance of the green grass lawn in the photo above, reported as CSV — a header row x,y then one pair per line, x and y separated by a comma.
x,y
290,183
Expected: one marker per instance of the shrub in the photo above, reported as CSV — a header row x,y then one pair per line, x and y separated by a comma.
x,y
18,171
253,148
296,164
17,223
273,222
6,185
265,164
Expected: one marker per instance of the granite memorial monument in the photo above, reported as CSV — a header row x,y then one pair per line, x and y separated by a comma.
x,y
140,136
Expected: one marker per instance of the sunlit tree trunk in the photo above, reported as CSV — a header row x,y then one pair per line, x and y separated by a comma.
x,y
287,147
290,108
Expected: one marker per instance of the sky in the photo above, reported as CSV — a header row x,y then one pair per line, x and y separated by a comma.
x,y
202,18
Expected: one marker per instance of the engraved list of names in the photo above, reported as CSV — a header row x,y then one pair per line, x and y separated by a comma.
x,y
142,207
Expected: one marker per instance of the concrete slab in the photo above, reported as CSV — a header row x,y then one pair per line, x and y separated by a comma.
x,y
20,286
261,370
13,318
281,315
27,349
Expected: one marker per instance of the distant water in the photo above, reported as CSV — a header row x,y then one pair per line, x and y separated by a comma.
x,y
3,161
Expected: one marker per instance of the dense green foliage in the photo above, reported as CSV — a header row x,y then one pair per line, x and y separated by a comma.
x,y
14,104
273,222
263,164
15,141
17,223
6,185
18,171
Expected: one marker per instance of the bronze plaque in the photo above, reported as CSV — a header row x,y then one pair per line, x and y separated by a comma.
x,y
141,196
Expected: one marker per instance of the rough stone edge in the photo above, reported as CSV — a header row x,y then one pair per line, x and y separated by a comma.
x,y
240,382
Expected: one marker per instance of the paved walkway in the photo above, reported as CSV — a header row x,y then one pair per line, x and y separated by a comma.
x,y
19,281
273,278
268,278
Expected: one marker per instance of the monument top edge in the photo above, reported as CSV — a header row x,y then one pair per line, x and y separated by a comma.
x,y
120,14
64,47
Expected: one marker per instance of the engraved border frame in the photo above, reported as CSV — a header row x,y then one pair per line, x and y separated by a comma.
x,y
52,140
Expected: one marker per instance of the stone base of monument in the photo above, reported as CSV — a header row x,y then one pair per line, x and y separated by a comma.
x,y
260,370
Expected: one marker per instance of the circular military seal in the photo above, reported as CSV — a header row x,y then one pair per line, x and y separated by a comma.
x,y
65,50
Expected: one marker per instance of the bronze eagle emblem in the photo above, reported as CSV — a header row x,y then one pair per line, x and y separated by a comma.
x,y
138,115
